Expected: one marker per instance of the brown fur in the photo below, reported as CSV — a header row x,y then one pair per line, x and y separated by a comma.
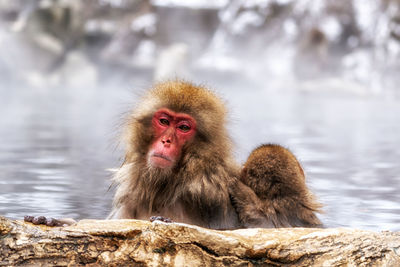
x,y
203,188
196,190
278,180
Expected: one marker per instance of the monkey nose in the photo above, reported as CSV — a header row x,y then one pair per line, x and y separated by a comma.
x,y
166,141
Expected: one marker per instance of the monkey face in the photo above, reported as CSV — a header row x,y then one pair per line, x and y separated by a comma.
x,y
171,131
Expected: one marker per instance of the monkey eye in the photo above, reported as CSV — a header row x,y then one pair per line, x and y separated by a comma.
x,y
164,122
184,128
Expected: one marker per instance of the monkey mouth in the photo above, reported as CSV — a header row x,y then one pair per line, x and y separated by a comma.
x,y
161,156
161,161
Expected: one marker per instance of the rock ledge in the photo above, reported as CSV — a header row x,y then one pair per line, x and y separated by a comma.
x,y
127,242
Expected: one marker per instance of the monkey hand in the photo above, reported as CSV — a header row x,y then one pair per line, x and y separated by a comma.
x,y
160,218
49,221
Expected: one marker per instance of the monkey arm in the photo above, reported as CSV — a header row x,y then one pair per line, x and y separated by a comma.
x,y
251,211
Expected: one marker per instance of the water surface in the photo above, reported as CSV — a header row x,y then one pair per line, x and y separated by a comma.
x,y
57,146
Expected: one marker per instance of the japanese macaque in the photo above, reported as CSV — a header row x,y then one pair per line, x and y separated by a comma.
x,y
179,167
178,161
278,180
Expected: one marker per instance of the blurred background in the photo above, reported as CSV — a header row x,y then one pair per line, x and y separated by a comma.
x,y
319,77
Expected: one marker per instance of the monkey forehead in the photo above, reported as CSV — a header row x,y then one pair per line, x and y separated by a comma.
x,y
184,97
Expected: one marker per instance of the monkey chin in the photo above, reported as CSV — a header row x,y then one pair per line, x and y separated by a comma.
x,y
160,161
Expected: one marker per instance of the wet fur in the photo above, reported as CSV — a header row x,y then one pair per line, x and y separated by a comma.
x,y
196,190
278,180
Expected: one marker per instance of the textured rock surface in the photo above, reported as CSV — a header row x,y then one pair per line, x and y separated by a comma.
x,y
122,242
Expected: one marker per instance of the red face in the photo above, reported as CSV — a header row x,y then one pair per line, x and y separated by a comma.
x,y
171,131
